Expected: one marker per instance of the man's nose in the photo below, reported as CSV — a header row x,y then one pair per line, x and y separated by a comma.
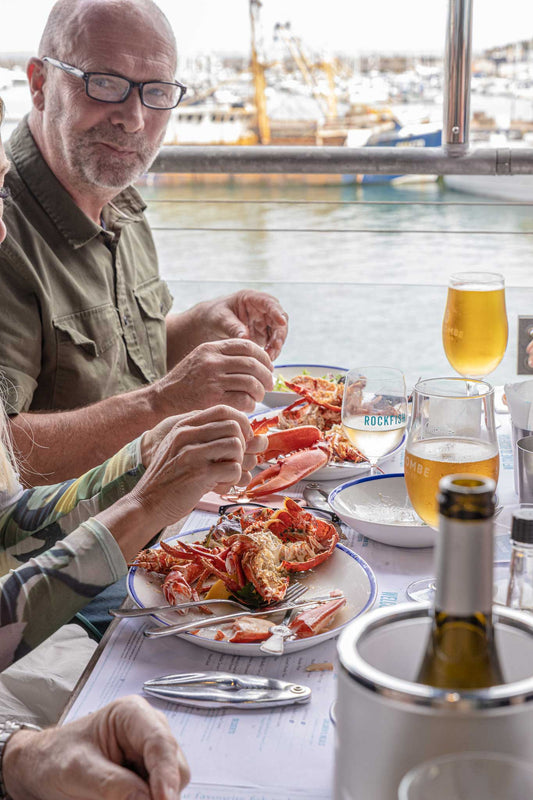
x,y
130,113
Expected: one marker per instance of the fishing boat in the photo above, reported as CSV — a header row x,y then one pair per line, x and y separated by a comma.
x,y
513,188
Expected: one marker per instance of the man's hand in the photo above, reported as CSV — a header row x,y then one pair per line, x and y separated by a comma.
x,y
247,314
235,372
124,750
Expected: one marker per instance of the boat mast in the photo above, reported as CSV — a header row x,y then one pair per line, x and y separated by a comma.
x,y
258,72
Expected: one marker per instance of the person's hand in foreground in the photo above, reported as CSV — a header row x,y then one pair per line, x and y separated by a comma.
x,y
125,751
187,445
185,457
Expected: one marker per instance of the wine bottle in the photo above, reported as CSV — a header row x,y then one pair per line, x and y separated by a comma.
x,y
461,651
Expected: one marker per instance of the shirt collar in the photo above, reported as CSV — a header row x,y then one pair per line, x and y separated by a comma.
x,y
77,228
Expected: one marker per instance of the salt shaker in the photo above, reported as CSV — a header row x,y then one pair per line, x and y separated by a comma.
x,y
520,589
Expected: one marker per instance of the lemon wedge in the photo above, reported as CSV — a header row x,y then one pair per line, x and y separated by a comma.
x,y
218,591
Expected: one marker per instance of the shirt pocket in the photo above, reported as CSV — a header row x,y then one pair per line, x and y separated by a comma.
x,y
91,357
154,302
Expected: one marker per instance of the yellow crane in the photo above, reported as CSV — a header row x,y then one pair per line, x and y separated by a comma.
x,y
326,100
258,72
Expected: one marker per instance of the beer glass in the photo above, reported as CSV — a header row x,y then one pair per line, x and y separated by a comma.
x,y
474,328
452,431
374,411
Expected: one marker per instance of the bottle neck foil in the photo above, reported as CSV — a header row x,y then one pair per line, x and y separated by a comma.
x,y
464,567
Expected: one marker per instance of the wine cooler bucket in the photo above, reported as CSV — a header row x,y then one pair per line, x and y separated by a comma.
x,y
386,723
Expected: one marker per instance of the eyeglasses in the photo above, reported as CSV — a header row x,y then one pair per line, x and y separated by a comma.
x,y
109,88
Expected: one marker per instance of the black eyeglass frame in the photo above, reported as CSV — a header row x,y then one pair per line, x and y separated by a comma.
x,y
86,76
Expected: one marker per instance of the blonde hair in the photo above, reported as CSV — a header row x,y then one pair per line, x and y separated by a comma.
x,y
9,478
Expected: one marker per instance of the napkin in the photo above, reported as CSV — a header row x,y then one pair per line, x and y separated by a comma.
x,y
212,501
520,400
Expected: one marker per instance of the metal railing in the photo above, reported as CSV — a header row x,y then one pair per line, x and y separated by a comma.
x,y
345,160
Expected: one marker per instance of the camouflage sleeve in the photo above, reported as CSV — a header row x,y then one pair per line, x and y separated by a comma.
x,y
53,557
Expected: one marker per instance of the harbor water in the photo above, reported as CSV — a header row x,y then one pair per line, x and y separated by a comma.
x,y
362,270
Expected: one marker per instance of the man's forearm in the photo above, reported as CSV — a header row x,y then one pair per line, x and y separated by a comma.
x,y
185,331
55,446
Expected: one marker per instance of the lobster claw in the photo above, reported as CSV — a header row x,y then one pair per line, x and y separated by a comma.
x,y
286,472
289,440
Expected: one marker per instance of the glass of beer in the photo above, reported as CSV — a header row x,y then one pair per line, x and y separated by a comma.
x,y
452,431
474,328
374,411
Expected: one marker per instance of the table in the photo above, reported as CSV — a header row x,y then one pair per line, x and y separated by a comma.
x,y
276,754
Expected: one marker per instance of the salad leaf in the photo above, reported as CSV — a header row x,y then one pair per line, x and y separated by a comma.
x,y
281,386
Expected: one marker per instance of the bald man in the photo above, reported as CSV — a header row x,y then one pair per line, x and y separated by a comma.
x,y
88,349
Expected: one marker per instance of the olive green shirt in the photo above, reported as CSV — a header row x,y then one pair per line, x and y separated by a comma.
x,y
82,307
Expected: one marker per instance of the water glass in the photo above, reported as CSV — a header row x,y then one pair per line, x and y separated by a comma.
x,y
524,469
469,776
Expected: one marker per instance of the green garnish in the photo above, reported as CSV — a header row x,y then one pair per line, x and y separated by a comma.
x,y
249,595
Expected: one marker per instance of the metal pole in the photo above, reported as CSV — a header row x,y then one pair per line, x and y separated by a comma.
x,y
457,70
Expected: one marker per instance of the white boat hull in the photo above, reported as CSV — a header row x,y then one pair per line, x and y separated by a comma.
x,y
501,187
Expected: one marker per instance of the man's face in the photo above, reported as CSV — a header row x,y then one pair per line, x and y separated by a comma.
x,y
108,145
4,166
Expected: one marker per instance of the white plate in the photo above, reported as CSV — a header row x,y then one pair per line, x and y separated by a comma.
x,y
344,570
274,399
379,507
331,472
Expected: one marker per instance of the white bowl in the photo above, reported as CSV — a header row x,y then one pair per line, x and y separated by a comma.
x,y
275,399
379,507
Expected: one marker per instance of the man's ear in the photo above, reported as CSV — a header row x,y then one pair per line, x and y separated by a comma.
x,y
37,78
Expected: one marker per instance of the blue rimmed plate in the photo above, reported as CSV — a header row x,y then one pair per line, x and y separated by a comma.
x,y
344,570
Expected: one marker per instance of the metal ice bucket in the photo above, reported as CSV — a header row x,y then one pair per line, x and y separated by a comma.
x,y
386,723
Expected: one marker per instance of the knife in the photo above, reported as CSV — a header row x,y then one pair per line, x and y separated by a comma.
x,y
225,690
209,621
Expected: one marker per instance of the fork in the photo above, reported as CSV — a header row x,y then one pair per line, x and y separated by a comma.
x,y
293,592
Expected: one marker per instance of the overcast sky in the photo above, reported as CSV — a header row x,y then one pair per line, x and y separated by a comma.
x,y
350,26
